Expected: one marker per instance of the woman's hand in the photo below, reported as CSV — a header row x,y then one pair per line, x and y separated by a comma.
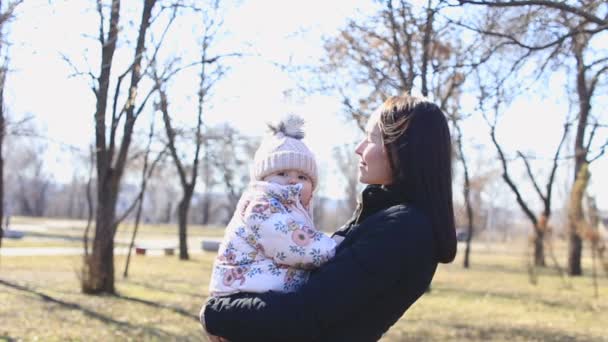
x,y
213,338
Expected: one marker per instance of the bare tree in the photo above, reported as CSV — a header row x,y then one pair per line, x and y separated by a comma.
x,y
208,183
540,226
146,172
7,10
211,71
33,193
564,34
2,135
466,192
98,271
230,156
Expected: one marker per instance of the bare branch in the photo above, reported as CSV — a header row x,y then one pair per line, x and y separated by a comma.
x,y
554,169
102,34
514,41
405,81
160,42
359,117
601,153
164,108
531,176
147,173
135,78
107,55
9,11
591,136
563,6
595,79
78,72
505,173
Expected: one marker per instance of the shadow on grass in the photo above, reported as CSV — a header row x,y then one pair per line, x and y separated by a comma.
x,y
515,333
160,306
465,332
125,326
519,297
162,289
5,338
516,269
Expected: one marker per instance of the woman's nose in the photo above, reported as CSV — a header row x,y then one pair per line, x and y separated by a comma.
x,y
359,148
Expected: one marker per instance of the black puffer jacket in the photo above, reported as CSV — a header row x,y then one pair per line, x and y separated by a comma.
x,y
384,264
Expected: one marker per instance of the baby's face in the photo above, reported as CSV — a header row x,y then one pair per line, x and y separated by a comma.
x,y
290,177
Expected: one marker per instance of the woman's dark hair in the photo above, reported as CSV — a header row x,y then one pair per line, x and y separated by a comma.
x,y
417,138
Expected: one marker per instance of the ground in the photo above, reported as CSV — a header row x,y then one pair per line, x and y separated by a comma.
x,y
494,300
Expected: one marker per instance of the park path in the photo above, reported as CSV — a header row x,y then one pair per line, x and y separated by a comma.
x,y
193,247
40,231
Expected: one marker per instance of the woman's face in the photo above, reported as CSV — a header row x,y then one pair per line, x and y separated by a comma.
x,y
374,167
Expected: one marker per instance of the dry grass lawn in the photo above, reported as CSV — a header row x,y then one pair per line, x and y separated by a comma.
x,y
492,301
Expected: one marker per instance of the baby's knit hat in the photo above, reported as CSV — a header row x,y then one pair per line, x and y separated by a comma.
x,y
283,149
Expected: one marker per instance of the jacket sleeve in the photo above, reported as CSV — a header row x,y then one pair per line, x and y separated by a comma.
x,y
273,230
392,248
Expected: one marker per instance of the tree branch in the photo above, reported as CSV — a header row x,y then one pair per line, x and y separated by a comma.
x,y
559,5
147,175
531,176
505,174
554,169
601,153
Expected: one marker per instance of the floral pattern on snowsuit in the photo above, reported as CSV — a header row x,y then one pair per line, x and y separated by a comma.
x,y
269,244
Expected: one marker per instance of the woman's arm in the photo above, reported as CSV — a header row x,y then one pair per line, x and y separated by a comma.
x,y
394,246
287,241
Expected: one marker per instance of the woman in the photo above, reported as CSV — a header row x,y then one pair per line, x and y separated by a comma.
x,y
403,227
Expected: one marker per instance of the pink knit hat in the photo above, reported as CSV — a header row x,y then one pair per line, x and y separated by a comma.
x,y
283,149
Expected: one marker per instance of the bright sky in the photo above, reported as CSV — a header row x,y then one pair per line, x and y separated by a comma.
x,y
253,91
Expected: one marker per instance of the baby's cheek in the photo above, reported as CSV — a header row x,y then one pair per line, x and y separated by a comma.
x,y
305,198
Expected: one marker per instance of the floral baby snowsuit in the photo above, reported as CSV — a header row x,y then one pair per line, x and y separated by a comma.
x,y
269,244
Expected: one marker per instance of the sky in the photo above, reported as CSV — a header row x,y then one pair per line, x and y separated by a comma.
x,y
253,91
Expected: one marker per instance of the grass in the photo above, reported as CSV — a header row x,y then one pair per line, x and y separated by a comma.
x,y
159,301
492,301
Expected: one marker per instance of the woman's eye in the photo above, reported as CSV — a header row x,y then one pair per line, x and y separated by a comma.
x,y
303,177
282,174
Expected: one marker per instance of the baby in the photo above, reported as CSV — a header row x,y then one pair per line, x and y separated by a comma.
x,y
271,242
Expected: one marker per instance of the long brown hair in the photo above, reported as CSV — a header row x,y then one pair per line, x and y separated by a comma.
x,y
416,135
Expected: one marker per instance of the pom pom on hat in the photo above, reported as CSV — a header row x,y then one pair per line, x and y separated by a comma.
x,y
284,150
290,126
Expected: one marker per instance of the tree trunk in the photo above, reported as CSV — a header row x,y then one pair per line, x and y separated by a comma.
x,y
168,212
125,274
98,272
467,198
206,208
99,266
467,250
182,212
539,249
575,243
584,94
2,133
575,217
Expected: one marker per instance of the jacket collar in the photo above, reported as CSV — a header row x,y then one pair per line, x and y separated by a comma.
x,y
374,198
